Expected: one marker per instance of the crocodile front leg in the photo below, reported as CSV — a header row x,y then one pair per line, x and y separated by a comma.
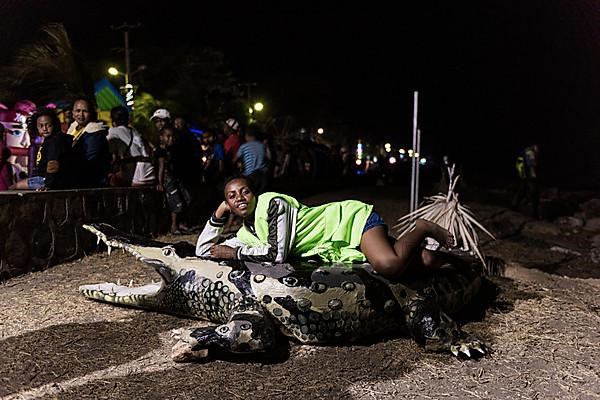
x,y
435,330
249,330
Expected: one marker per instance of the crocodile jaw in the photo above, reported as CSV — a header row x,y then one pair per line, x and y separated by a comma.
x,y
138,296
146,296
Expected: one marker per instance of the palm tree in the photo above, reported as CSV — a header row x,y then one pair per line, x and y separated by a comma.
x,y
45,70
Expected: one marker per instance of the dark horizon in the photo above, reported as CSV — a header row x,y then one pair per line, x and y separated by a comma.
x,y
492,76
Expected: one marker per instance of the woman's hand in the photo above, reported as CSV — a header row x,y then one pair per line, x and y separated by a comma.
x,y
222,210
222,251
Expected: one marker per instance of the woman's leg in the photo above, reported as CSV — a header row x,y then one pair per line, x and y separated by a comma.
x,y
393,260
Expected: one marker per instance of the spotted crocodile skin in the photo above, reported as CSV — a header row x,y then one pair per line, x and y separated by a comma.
x,y
314,304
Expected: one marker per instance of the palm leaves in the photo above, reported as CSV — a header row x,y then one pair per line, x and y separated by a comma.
x,y
45,69
446,211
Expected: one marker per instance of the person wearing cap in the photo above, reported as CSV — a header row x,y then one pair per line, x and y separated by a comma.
x,y
161,118
231,127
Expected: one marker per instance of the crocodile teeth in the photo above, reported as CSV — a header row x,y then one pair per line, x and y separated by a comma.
x,y
109,249
477,347
131,283
98,240
118,282
465,349
454,350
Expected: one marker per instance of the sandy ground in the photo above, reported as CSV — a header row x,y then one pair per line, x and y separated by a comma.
x,y
543,330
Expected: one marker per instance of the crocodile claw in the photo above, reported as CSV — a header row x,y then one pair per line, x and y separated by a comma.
x,y
470,348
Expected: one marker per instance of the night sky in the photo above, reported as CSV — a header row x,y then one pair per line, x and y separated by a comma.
x,y
493,76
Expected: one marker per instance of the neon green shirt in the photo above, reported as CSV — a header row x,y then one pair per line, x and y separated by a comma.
x,y
330,231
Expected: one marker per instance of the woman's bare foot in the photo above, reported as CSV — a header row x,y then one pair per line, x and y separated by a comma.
x,y
443,236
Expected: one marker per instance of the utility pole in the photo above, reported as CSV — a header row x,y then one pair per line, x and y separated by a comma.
x,y
247,85
125,28
128,89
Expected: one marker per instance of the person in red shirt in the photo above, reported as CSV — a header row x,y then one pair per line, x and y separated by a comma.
x,y
232,143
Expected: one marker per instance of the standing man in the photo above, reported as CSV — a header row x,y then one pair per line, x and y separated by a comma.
x,y
253,156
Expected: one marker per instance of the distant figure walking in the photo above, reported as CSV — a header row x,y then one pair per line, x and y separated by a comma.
x,y
528,191
447,173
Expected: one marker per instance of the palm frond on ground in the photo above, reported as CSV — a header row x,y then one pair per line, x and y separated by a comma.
x,y
446,211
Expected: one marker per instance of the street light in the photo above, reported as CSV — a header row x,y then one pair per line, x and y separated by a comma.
x,y
114,72
128,88
253,110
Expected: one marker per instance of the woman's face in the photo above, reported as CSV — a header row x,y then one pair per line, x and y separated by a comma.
x,y
44,126
240,198
82,112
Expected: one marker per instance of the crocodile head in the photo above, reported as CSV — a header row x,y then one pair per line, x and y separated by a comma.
x,y
169,260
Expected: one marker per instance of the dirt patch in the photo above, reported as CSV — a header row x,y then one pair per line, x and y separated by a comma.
x,y
543,331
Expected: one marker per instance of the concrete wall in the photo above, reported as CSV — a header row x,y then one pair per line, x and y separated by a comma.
x,y
40,229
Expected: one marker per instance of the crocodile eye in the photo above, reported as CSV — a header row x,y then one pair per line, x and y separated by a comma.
x,y
168,251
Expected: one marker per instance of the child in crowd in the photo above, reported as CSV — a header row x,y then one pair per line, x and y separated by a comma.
x,y
176,197
52,169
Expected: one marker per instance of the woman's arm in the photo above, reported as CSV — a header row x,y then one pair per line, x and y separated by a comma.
x,y
212,233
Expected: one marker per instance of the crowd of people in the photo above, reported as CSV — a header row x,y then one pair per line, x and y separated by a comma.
x,y
189,171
